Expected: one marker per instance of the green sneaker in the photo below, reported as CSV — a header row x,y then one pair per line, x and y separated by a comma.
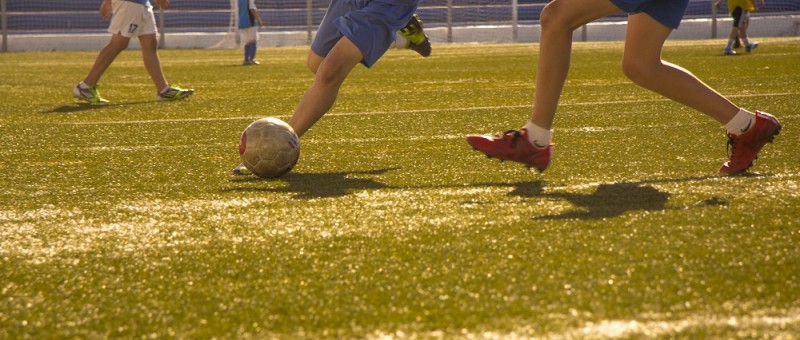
x,y
88,94
174,93
240,170
415,36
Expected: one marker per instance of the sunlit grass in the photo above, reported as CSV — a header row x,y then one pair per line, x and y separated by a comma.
x,y
123,221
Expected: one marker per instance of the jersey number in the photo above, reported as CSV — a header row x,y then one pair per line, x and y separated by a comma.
x,y
132,28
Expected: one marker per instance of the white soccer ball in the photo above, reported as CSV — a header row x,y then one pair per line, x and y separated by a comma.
x,y
269,147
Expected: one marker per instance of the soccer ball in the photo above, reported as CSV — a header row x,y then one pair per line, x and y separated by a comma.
x,y
269,147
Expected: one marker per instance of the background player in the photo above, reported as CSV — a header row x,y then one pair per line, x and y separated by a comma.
x,y
129,18
248,32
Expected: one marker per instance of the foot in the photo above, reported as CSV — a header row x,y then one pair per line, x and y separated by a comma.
x,y
240,170
729,51
750,47
174,93
88,94
513,145
251,62
745,146
415,36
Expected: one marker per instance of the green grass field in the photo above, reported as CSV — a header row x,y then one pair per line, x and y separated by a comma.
x,y
123,220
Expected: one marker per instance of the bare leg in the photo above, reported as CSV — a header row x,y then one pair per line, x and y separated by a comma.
x,y
152,63
313,61
642,63
117,44
559,19
330,74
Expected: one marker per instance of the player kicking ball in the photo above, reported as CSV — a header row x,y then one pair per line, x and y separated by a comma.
x,y
351,33
649,24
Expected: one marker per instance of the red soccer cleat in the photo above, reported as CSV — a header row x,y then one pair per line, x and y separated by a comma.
x,y
744,147
513,145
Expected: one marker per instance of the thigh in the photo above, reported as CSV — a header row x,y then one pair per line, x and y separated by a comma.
x,y
571,14
148,42
313,60
645,39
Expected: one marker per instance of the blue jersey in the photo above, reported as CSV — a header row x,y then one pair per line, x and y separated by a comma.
x,y
246,19
145,3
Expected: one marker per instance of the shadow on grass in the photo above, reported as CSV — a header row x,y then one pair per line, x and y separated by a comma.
x,y
609,200
78,107
317,185
612,199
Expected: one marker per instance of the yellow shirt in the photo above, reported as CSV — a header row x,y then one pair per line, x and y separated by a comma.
x,y
746,5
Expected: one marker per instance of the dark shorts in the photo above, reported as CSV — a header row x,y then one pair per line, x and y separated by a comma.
x,y
739,17
370,24
667,12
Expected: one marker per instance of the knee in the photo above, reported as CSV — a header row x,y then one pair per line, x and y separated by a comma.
x,y
637,70
328,77
313,61
118,44
555,15
312,66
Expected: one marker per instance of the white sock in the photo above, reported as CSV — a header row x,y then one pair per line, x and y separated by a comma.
x,y
539,137
83,85
164,89
741,122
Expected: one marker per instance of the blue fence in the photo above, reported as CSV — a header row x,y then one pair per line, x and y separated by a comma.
x,y
214,15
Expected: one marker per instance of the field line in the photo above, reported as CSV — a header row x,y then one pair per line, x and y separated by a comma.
x,y
455,109
659,328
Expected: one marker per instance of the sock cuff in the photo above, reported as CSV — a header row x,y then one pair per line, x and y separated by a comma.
x,y
538,136
740,122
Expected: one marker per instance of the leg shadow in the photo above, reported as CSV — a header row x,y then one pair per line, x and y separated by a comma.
x,y
318,185
78,107
609,200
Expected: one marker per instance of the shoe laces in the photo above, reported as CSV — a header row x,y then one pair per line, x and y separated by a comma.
x,y
731,146
515,135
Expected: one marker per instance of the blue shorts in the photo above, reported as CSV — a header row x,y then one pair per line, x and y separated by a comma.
x,y
667,12
370,24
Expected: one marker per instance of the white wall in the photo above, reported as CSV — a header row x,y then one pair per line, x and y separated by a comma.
x,y
760,26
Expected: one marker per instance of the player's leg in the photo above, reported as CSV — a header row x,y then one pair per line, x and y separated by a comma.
x,y
87,89
330,73
250,53
313,60
152,63
250,36
748,46
642,63
559,19
349,34
531,145
107,55
734,37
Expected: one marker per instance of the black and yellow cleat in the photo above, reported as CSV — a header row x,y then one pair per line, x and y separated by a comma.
x,y
415,36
